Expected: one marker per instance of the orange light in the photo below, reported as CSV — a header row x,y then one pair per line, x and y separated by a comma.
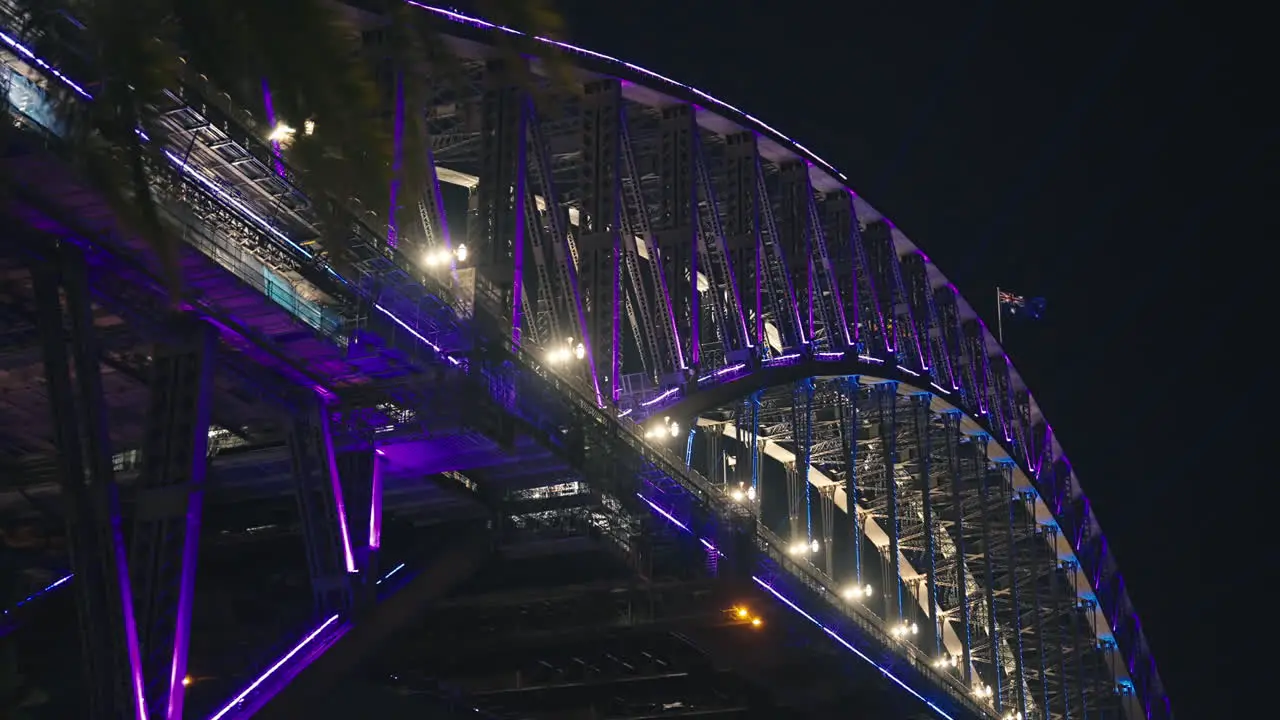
x,y
186,681
756,622
742,612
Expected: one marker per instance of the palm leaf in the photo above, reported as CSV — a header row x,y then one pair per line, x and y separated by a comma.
x,y
306,51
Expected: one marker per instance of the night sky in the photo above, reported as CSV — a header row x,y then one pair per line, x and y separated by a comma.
x,y
1103,155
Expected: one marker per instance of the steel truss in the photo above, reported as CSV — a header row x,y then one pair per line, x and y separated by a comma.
x,y
731,258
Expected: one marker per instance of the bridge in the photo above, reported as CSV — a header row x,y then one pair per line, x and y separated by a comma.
x,y
647,415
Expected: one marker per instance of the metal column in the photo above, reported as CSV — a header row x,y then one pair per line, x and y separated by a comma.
x,y
1037,561
104,598
993,628
329,557
888,395
924,448
169,508
956,474
1011,513
1059,632
827,496
850,426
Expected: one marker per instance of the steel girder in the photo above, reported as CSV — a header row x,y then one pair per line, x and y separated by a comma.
x,y
977,556
897,310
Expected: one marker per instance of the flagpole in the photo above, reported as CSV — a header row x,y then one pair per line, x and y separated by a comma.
x,y
999,319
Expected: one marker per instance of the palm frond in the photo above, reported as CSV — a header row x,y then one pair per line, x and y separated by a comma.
x,y
308,52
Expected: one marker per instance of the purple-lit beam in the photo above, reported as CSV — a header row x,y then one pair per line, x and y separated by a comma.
x,y
198,463
97,449
375,502
335,483
271,121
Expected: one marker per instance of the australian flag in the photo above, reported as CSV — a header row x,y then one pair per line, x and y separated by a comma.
x,y
1020,306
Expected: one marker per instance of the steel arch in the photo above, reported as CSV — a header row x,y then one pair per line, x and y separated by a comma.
x,y
934,365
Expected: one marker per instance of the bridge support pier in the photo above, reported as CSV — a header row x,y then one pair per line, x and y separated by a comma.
x,y
104,601
321,504
360,478
169,508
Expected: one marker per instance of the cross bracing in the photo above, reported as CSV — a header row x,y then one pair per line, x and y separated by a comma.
x,y
745,251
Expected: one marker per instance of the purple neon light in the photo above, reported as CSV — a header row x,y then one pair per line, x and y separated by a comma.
x,y
375,503
335,481
130,620
271,120
190,552
273,669
661,397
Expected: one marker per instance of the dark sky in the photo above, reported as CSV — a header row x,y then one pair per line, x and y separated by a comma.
x,y
1112,157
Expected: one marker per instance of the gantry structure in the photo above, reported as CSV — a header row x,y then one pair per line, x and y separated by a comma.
x,y
639,342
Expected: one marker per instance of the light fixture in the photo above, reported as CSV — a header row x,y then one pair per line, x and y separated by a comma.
x,y
667,428
757,622
441,256
742,613
946,661
281,133
1012,715
800,547
854,592
565,353
904,629
741,494
186,681
308,127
